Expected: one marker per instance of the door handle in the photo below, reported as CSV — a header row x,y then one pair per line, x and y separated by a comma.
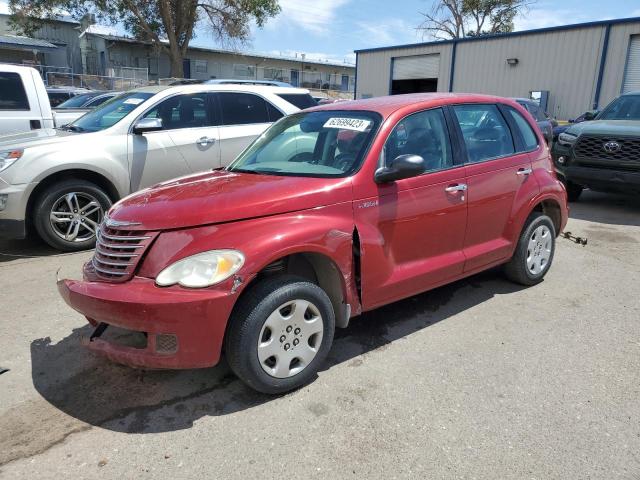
x,y
204,141
460,187
524,171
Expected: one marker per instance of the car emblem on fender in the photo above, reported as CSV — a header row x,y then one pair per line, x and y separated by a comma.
x,y
611,147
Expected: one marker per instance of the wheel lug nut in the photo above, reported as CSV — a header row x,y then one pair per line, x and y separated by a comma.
x,y
287,346
282,338
297,331
289,328
296,341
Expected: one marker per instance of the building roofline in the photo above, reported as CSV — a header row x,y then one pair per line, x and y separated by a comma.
x,y
573,26
118,38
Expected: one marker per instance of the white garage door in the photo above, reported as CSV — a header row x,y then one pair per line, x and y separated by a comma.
x,y
632,70
416,66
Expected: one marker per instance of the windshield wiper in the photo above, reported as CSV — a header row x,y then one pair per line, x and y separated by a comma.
x,y
72,128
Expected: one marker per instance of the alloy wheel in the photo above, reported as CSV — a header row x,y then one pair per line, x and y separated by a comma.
x,y
75,217
290,338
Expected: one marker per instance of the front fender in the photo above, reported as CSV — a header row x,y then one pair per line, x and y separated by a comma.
x,y
327,231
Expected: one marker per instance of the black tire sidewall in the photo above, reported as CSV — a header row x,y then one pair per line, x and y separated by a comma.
x,y
523,245
44,203
241,349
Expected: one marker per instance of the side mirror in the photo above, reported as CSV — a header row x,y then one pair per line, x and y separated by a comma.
x,y
147,125
590,115
404,166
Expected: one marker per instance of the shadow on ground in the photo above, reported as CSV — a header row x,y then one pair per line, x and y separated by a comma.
x,y
30,247
607,208
123,399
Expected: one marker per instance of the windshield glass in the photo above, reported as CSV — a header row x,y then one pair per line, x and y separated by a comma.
x,y
77,101
109,113
622,108
316,144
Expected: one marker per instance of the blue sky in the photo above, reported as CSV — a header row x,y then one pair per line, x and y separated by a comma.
x,y
332,29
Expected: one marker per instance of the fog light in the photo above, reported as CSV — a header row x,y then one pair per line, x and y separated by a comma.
x,y
3,201
562,160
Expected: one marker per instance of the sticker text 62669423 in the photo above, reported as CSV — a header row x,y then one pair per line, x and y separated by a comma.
x,y
357,124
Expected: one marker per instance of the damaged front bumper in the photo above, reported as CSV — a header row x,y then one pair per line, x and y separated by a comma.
x,y
184,327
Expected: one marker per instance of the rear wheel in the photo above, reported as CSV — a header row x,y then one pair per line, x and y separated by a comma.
x,y
534,252
67,214
279,334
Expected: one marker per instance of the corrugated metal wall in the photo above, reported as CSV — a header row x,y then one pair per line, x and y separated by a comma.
x,y
374,68
565,62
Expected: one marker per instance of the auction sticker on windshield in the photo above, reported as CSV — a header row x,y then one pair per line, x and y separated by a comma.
x,y
356,124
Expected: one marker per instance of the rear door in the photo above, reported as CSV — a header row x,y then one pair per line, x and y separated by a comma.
x,y
243,117
19,107
498,171
412,233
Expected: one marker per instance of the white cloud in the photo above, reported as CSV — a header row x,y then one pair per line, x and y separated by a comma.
x,y
388,31
302,14
349,58
547,15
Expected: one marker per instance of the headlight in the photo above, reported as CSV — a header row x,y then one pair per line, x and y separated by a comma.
x,y
567,139
8,157
202,270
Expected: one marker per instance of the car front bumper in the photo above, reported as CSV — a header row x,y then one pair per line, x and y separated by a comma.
x,y
603,179
14,206
184,327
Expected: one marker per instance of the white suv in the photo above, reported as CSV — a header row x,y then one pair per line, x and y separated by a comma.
x,y
63,180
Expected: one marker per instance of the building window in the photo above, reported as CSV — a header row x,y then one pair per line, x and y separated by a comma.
x,y
244,71
273,74
201,66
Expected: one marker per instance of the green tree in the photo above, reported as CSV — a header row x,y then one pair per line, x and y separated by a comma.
x,y
168,24
467,18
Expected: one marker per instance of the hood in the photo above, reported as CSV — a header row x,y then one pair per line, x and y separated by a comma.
x,y
606,127
221,196
35,138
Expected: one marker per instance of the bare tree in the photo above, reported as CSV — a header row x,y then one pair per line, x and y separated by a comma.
x,y
466,18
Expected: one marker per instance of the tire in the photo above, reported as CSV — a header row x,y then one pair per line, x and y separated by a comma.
x,y
573,191
60,197
533,256
267,320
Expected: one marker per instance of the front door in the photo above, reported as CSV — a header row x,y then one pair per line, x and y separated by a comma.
x,y
187,143
412,232
498,176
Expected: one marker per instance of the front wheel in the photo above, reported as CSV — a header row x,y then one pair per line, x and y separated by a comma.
x,y
279,334
534,253
67,214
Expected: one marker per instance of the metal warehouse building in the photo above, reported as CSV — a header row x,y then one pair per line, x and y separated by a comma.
x,y
573,68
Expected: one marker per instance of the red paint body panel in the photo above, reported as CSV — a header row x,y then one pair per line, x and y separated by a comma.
x,y
413,235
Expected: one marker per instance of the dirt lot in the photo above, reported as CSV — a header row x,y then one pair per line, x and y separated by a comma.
x,y
479,379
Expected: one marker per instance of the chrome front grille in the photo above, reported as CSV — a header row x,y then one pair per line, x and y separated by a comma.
x,y
118,252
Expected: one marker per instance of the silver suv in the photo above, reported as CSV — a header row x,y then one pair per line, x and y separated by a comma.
x,y
63,180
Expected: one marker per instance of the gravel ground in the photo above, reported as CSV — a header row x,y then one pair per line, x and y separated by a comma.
x,y
478,379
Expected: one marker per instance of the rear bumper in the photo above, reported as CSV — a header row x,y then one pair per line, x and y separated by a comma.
x,y
195,319
603,178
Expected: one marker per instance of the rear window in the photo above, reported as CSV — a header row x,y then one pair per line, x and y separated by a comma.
x,y
12,94
300,100
56,98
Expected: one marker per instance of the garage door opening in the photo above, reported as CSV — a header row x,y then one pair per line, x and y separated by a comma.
x,y
415,74
416,85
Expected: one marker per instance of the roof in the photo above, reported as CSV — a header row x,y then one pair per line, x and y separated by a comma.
x,y
118,38
412,101
25,43
572,26
222,88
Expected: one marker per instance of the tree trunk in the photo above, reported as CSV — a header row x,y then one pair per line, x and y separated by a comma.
x,y
177,68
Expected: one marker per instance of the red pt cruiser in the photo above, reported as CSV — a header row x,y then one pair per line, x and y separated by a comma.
x,y
331,212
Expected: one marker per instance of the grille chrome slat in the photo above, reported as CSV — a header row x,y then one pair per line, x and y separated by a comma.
x,y
118,253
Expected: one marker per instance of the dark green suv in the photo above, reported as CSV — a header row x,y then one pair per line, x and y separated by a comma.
x,y
602,154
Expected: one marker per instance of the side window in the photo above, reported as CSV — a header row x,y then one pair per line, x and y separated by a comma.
x,y
425,134
528,135
274,113
182,111
243,108
485,132
12,94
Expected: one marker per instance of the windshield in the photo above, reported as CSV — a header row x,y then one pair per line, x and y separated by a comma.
x,y
622,108
315,144
109,113
77,101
